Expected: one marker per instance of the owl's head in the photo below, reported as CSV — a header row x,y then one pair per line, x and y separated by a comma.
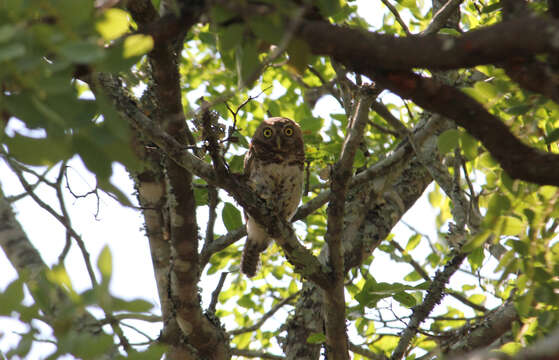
x,y
279,134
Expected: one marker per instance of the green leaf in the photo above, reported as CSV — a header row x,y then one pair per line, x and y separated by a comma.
x,y
413,241
448,140
231,217
519,109
498,204
39,152
93,156
476,258
85,346
491,8
136,45
82,52
311,124
476,241
12,297
552,137
329,7
511,225
469,145
435,197
155,351
405,299
230,37
511,348
413,276
11,52
136,305
112,24
58,275
105,263
247,64
316,338
487,161
7,32
483,92
299,55
246,302
269,28
478,299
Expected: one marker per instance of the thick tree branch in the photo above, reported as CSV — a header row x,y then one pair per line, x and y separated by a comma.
x,y
517,159
545,349
535,76
482,333
493,44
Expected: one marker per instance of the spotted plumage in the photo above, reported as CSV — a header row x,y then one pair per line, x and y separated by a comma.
x,y
274,167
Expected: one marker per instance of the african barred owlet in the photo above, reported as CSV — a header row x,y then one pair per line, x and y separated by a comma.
x,y
274,167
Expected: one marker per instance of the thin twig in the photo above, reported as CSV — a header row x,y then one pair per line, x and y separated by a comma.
x,y
215,293
264,317
396,14
15,166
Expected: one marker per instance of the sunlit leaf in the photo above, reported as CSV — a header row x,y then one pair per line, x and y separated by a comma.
x,y
138,44
511,225
105,262
469,145
413,241
112,24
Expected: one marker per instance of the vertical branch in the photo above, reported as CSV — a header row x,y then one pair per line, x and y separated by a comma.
x,y
336,337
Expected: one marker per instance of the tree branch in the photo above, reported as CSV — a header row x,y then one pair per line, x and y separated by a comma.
x,y
304,261
435,293
492,44
28,263
336,337
482,333
517,159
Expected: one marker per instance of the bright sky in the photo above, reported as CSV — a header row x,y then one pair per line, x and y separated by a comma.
x,y
120,228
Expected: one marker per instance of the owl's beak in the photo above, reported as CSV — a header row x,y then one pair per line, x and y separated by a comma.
x,y
278,143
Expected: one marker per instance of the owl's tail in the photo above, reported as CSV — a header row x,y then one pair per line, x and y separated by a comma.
x,y
251,257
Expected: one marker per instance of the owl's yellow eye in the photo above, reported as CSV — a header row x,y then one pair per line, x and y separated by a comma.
x,y
267,132
288,131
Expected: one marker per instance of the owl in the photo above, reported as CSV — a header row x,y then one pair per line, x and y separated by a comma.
x,y
274,168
